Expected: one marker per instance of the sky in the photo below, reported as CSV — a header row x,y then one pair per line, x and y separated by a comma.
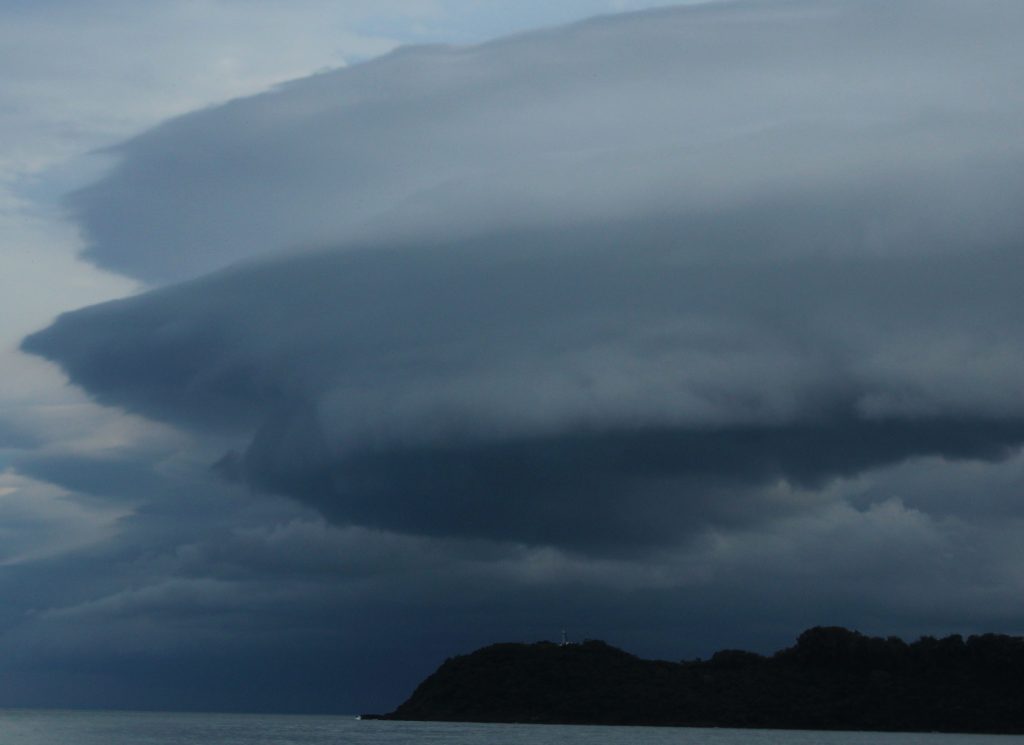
x,y
342,337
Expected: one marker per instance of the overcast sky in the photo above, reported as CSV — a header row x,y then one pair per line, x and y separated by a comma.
x,y
342,337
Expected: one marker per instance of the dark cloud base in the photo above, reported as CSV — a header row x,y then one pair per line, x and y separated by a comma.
x,y
605,490
723,376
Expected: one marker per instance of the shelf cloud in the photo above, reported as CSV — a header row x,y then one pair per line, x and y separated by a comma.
x,y
638,268
658,321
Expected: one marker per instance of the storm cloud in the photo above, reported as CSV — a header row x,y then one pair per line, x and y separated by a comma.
x,y
501,387
646,326
507,286
682,111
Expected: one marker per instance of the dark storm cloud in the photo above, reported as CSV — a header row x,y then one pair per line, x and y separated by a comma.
x,y
370,613
274,609
544,387
642,269
632,488
647,327
684,109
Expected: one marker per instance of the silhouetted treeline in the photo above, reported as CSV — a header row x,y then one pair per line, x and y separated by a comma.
x,y
831,679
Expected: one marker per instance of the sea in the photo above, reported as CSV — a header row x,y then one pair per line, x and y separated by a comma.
x,y
44,727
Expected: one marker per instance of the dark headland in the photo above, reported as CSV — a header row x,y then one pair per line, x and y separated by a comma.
x,y
831,678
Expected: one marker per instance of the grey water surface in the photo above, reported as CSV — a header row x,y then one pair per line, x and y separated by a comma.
x,y
42,727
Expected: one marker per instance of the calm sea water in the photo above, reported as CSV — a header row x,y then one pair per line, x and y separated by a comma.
x,y
22,727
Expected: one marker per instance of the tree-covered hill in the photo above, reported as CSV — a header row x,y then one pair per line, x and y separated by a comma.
x,y
831,679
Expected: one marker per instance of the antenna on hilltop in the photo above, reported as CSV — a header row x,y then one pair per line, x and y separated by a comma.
x,y
565,640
